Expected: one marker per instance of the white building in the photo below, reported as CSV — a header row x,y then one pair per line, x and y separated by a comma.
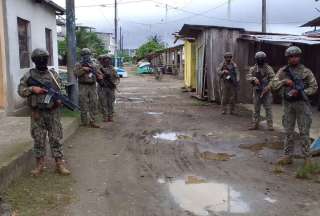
x,y
24,26
108,41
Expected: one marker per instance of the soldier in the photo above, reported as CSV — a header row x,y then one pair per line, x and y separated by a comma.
x,y
84,70
229,78
106,91
296,83
45,116
260,76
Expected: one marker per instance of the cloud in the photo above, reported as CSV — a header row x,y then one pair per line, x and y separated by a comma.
x,y
142,18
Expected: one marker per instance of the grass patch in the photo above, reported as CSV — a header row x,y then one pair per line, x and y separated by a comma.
x,y
308,171
45,195
68,113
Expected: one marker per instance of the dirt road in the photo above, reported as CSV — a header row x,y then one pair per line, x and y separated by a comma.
x,y
167,154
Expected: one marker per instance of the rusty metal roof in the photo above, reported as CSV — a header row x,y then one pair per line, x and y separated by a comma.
x,y
280,39
189,30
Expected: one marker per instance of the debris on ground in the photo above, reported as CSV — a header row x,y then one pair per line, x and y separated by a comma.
x,y
278,169
260,146
216,156
195,180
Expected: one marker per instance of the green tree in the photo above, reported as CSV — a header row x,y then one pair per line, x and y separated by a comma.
x,y
85,39
89,40
153,44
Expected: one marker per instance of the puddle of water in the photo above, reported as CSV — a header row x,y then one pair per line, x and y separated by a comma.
x,y
154,113
203,197
270,200
161,181
172,136
260,146
216,156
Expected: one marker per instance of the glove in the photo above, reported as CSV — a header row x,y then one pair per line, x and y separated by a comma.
x,y
257,82
38,90
289,83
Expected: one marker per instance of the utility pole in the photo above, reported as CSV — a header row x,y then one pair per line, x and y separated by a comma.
x,y
264,16
116,32
72,50
120,40
229,9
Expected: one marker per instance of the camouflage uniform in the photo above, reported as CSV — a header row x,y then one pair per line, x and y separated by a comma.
x,y
45,118
107,92
228,89
88,99
264,74
296,111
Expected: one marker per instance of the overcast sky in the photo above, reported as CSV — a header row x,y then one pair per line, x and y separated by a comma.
x,y
142,18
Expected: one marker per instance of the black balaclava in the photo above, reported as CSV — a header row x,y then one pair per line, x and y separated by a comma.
x,y
260,61
86,59
41,62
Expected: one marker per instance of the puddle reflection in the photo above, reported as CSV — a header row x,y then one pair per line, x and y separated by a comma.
x,y
170,136
154,113
201,197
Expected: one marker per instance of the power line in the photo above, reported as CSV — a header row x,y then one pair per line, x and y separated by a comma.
x,y
111,4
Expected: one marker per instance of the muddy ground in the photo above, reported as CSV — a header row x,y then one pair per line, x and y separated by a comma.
x,y
168,154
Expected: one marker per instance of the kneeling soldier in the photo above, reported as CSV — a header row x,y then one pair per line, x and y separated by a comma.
x,y
106,88
296,83
45,117
260,76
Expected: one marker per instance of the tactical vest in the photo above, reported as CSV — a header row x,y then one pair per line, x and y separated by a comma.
x,y
109,79
86,78
41,101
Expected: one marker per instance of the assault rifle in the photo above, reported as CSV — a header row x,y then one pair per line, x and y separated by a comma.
x,y
298,85
93,70
53,94
232,76
260,89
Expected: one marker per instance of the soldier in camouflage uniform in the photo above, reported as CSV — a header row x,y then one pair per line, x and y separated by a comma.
x,y
106,91
87,88
229,78
45,117
296,109
260,76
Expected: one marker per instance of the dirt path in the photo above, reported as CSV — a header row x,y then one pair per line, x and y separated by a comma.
x,y
128,168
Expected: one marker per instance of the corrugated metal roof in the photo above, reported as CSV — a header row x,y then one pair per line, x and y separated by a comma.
x,y
312,23
189,30
282,39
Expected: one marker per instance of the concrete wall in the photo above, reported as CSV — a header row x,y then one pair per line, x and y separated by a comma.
x,y
40,16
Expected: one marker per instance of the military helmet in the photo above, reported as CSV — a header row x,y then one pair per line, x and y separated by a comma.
x,y
85,51
260,55
228,54
39,53
293,50
104,56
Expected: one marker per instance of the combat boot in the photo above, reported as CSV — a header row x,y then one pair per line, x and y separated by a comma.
x,y
254,126
94,125
61,169
39,167
285,160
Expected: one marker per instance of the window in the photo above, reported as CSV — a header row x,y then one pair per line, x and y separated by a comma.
x,y
23,35
49,45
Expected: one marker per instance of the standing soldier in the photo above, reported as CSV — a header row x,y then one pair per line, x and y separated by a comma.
x,y
85,72
229,79
45,115
260,76
296,83
106,90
